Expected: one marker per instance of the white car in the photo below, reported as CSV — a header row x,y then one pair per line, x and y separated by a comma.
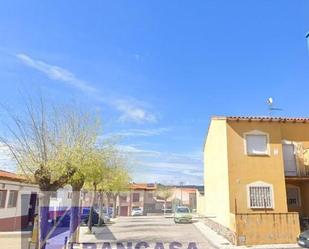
x,y
136,211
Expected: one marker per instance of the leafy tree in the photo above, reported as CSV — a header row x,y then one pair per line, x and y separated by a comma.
x,y
85,129
95,173
115,181
164,193
45,140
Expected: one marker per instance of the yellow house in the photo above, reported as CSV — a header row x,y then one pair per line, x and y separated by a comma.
x,y
257,178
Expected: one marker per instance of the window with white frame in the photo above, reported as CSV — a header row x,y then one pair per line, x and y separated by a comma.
x,y
256,143
2,198
260,196
12,202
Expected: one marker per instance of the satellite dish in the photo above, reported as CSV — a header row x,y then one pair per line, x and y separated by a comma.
x,y
271,108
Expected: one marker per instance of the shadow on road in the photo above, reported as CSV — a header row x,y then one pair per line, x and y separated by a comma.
x,y
103,233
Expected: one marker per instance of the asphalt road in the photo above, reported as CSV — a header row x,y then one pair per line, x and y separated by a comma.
x,y
151,230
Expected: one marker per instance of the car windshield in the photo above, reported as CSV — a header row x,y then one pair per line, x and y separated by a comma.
x,y
136,209
182,210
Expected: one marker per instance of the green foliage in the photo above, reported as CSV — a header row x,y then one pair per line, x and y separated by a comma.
x,y
164,192
50,144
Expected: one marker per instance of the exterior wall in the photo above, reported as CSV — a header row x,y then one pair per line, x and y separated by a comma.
x,y
16,218
229,171
59,204
245,169
200,207
216,173
186,195
299,133
267,228
139,203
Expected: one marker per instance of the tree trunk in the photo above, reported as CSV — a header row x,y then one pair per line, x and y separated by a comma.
x,y
164,208
75,217
108,201
101,211
114,205
44,216
92,208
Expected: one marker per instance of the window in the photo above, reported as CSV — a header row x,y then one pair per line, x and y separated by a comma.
x,y
256,143
135,197
70,194
290,166
53,194
260,196
12,198
293,197
2,198
123,198
150,195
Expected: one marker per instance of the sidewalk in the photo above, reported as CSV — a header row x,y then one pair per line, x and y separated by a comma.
x,y
220,242
14,240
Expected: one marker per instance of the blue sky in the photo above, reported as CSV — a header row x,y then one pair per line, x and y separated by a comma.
x,y
158,70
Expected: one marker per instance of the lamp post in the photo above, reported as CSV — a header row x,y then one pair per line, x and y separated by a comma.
x,y
307,37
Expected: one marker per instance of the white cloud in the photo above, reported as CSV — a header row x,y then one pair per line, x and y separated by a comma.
x,y
165,167
141,132
56,73
132,112
130,109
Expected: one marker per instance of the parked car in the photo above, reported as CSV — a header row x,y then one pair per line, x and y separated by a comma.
x,y
182,214
167,210
107,216
85,216
136,211
303,239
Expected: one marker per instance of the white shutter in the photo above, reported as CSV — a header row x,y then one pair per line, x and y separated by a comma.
x,y
256,144
289,160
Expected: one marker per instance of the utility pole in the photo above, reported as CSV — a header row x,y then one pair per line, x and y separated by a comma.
x,y
181,185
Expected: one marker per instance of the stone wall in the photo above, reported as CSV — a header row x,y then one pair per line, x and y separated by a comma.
x,y
220,229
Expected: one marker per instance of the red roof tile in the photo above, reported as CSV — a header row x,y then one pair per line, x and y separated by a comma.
x,y
5,175
145,186
267,118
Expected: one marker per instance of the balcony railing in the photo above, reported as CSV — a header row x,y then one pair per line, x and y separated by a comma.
x,y
300,173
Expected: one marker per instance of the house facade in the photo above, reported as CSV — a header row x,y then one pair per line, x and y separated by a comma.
x,y
257,178
141,195
185,195
144,196
18,202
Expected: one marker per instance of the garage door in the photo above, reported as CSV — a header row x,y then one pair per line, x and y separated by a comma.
x,y
124,211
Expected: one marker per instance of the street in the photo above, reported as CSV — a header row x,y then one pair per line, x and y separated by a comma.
x,y
147,229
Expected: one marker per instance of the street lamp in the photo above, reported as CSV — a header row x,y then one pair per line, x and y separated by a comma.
x,y
307,37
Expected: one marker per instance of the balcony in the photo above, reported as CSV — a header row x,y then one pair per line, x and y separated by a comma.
x,y
302,173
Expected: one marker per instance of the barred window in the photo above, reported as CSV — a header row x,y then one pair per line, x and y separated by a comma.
x,y
293,196
260,197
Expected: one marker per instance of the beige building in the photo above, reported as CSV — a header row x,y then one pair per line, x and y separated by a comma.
x,y
141,195
257,178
